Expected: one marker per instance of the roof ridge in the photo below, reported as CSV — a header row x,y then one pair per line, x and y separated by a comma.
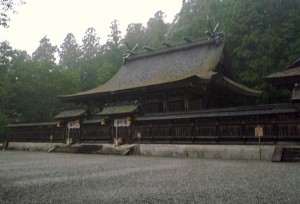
x,y
204,41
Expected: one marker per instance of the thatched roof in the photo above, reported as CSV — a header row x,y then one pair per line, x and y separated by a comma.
x,y
71,114
16,125
197,59
236,87
119,108
294,64
289,76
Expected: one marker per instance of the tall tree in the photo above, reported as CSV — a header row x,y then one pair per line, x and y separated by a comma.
x,y
111,57
69,52
90,44
7,6
6,54
191,21
156,30
114,38
262,37
134,34
5,62
88,65
8,85
45,52
32,89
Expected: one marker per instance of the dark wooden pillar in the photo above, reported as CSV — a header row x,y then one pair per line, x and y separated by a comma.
x,y
216,129
186,104
111,132
275,132
170,132
165,106
243,132
129,134
79,135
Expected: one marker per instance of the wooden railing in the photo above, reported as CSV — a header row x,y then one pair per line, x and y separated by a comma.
x,y
37,134
222,132
179,132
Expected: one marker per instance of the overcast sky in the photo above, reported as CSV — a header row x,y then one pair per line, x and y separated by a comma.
x,y
57,18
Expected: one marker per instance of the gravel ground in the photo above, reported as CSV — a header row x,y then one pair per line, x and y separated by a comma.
x,y
39,177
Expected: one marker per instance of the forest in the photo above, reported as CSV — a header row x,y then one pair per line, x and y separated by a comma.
x,y
263,36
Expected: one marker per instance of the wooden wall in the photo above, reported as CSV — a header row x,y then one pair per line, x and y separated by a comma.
x,y
169,131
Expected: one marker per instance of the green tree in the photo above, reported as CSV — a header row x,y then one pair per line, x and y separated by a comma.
x,y
4,121
45,52
109,62
88,61
134,35
7,6
114,39
6,94
262,37
8,105
69,53
6,54
35,87
156,30
191,21
90,44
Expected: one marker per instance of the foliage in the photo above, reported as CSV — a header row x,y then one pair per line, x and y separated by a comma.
x,y
69,53
191,21
134,35
7,6
5,55
90,50
29,87
262,36
156,30
4,120
90,44
45,53
114,39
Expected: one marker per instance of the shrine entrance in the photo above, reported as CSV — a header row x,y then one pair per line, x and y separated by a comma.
x,y
73,132
122,131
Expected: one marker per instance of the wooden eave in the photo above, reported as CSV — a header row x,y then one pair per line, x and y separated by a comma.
x,y
42,124
188,82
118,110
71,114
235,86
224,112
286,77
94,121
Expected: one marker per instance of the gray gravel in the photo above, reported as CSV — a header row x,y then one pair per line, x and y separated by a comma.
x,y
39,177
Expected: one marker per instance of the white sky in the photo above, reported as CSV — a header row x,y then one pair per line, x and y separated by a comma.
x,y
57,18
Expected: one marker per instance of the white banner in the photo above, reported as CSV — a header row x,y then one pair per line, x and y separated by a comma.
x,y
73,125
121,123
